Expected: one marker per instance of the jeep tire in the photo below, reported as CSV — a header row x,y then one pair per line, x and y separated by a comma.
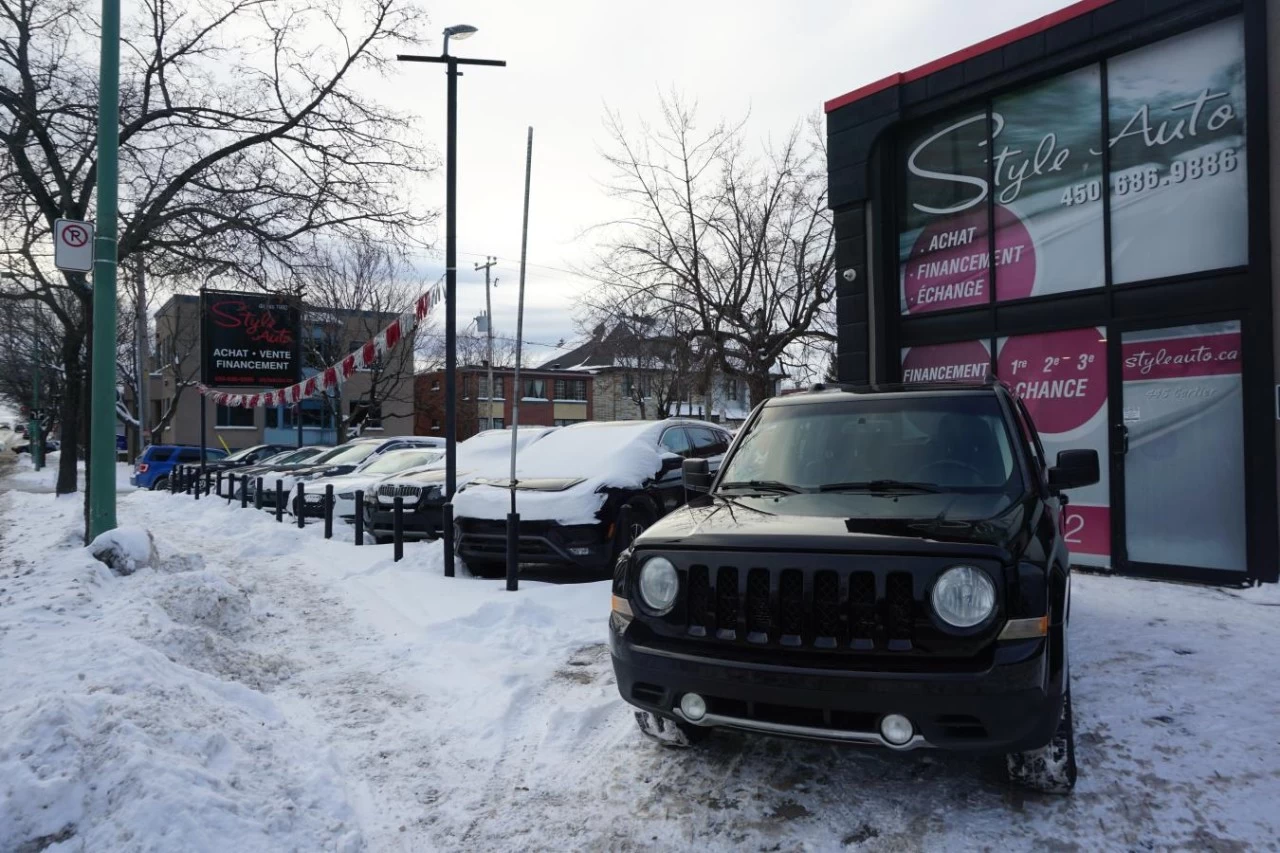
x,y
1051,769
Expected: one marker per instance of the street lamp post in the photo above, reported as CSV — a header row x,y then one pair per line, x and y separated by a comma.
x,y
458,31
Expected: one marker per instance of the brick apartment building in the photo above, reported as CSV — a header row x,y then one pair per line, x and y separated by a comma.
x,y
547,398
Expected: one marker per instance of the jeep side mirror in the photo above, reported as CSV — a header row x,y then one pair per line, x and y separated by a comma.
x,y
697,475
1075,468
671,461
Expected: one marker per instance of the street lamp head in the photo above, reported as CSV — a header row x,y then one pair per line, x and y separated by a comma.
x,y
460,31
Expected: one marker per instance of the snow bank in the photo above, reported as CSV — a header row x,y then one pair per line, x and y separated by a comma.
x,y
26,478
125,549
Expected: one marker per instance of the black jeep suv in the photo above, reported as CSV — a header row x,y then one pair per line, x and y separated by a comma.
x,y
878,566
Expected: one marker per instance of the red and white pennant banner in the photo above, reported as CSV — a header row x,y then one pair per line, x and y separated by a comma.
x,y
339,372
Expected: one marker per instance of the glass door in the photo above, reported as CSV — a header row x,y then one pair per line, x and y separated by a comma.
x,y
1182,446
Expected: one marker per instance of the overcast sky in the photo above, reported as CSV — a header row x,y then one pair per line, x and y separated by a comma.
x,y
568,59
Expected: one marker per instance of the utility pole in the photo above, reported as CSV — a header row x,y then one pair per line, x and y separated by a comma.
x,y
143,354
102,418
513,517
488,327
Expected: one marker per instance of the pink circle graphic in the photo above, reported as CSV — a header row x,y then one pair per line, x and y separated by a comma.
x,y
949,265
1061,376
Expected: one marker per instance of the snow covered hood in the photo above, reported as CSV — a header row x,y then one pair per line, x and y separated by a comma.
x,y
569,471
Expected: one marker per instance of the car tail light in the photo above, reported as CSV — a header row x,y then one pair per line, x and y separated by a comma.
x,y
142,467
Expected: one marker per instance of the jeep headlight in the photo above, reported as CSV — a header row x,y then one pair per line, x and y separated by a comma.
x,y
964,596
659,584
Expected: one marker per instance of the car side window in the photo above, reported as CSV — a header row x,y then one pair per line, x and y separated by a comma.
x,y
707,443
186,454
676,441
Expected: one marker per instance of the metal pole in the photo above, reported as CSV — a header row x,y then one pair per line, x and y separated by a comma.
x,y
204,416
397,529
35,435
451,304
102,437
143,350
513,518
359,516
300,507
328,511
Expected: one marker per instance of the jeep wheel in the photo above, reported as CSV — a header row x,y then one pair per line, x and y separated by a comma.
x,y
1051,769
670,733
160,484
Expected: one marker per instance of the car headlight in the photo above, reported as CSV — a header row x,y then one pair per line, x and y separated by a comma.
x,y
347,496
964,597
659,584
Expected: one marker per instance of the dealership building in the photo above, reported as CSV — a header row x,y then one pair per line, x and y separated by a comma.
x,y
1084,206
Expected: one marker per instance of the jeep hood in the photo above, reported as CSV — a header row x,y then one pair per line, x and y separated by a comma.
x,y
974,524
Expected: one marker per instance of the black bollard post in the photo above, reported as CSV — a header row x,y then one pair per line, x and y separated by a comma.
x,y
198,478
257,494
359,516
186,480
446,524
397,530
279,501
217,487
328,511
244,491
299,507
513,551
173,482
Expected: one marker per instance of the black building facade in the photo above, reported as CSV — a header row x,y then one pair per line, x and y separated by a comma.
x,y
1083,206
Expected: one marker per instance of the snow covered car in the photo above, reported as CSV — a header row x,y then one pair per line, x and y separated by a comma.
x,y
283,461
485,453
254,455
342,459
572,486
364,478
882,567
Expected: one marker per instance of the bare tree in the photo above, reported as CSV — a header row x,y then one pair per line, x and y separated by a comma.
x,y
473,347
243,140
353,291
743,244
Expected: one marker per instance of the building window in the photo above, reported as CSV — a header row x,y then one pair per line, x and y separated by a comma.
x,y
731,389
567,421
535,389
316,414
366,415
496,423
272,418
482,382
571,389
228,416
633,386
435,425
435,384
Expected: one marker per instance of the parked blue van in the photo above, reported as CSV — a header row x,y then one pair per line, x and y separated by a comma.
x,y
158,461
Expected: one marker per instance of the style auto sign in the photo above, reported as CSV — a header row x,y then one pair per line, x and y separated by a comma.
x,y
250,339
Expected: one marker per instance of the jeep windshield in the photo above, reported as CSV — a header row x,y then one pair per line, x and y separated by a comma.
x,y
890,446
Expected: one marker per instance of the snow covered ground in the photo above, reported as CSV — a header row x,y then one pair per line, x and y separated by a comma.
x,y
25,476
264,690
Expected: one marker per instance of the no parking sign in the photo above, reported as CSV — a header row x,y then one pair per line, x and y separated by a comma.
x,y
72,245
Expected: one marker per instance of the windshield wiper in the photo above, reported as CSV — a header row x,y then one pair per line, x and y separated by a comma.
x,y
762,485
880,486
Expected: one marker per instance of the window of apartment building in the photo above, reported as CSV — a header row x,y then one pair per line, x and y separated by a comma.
x,y
571,389
731,389
435,425
435,384
367,415
491,423
635,385
228,417
482,383
567,421
535,389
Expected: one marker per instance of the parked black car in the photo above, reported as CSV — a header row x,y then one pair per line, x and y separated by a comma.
x,y
572,489
879,567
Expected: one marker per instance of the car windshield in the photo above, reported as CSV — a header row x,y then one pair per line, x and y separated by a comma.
x,y
944,443
241,454
348,454
400,460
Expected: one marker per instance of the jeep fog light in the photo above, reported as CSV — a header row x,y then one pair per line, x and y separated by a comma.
x,y
694,707
896,729
659,584
964,597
